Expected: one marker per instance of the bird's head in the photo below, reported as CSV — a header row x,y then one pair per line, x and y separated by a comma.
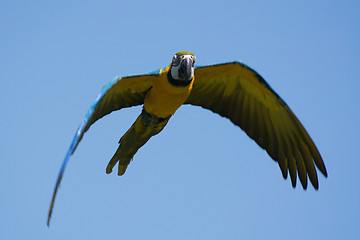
x,y
182,67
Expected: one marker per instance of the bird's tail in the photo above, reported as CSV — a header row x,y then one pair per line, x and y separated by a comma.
x,y
145,126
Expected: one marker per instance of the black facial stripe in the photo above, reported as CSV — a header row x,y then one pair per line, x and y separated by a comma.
x,y
177,83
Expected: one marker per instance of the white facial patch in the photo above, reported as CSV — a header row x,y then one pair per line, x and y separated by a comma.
x,y
175,72
192,73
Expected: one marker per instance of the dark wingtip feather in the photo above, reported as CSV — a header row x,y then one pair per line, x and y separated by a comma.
x,y
283,168
303,182
293,182
324,172
54,194
315,183
322,168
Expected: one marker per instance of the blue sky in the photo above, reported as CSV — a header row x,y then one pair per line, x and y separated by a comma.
x,y
202,177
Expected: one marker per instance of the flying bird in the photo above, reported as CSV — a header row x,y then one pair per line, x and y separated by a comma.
x,y
232,90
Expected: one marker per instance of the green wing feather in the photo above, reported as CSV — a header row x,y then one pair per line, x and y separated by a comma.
x,y
237,92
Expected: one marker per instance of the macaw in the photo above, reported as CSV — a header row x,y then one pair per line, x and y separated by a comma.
x,y
232,90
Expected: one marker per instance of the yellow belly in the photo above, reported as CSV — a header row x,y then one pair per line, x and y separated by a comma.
x,y
164,99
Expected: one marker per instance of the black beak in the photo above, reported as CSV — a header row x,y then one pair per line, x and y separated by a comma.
x,y
185,69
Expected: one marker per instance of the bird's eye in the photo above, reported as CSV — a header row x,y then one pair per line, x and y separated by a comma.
x,y
176,60
193,60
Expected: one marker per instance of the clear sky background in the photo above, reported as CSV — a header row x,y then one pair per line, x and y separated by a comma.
x,y
202,177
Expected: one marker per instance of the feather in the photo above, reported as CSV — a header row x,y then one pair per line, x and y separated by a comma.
x,y
237,92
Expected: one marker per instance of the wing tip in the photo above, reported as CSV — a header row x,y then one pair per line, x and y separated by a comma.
x,y
57,185
54,196
323,170
48,220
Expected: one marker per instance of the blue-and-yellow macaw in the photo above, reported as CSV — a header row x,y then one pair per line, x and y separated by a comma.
x,y
231,90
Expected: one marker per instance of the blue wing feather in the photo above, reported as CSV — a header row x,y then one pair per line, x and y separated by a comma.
x,y
77,138
90,117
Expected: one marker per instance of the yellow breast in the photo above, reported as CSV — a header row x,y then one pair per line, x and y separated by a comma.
x,y
164,99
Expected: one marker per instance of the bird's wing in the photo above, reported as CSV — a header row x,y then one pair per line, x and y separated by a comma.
x,y
119,93
237,92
